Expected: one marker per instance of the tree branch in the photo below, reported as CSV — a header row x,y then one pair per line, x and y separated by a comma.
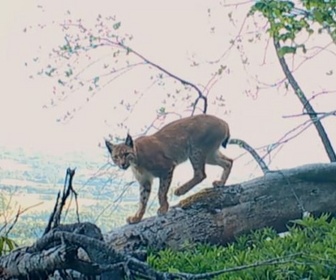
x,y
170,74
253,152
305,103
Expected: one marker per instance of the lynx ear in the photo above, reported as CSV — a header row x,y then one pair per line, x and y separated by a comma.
x,y
129,141
109,146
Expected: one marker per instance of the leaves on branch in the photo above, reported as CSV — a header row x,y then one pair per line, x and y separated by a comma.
x,y
287,20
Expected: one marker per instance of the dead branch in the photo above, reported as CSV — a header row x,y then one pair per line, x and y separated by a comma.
x,y
253,152
55,216
102,260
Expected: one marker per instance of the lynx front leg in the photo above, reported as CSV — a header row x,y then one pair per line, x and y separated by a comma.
x,y
198,163
163,190
145,189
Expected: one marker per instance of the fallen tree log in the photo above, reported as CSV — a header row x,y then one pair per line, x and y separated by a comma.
x,y
218,215
213,215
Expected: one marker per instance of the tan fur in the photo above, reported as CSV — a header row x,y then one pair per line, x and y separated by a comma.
x,y
197,138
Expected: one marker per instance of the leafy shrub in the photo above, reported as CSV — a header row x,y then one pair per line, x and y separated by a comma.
x,y
308,251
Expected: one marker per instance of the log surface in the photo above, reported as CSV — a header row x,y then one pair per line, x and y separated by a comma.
x,y
218,215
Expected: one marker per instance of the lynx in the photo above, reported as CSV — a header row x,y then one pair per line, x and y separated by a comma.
x,y
197,138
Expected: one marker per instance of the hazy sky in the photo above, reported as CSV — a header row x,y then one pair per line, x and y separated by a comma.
x,y
169,33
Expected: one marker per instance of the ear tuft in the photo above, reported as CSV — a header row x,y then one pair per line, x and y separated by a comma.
x,y
109,146
129,141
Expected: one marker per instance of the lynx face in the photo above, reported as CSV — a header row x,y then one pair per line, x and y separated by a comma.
x,y
123,154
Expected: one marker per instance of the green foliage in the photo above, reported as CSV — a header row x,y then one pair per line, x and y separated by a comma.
x,y
307,252
287,19
6,245
116,25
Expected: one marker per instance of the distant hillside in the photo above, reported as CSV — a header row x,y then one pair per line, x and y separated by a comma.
x,y
30,178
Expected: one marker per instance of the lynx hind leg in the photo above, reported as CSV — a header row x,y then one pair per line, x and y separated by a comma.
x,y
165,182
145,189
197,160
217,158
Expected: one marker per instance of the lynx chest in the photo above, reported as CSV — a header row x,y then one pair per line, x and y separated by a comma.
x,y
142,175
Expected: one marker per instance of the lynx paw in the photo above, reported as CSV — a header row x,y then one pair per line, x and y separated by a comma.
x,y
217,184
163,209
133,219
179,192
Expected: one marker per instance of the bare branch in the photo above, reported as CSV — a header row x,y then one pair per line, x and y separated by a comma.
x,y
55,217
322,114
236,4
16,218
293,133
201,96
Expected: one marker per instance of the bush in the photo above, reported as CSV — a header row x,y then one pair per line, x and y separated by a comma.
x,y
307,252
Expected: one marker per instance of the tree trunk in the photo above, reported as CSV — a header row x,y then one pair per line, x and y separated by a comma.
x,y
218,215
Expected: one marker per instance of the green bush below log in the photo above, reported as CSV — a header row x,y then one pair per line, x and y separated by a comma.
x,y
308,251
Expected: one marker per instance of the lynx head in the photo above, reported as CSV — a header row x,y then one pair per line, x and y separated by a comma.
x,y
122,154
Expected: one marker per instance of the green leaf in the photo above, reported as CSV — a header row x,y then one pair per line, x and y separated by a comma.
x,y
6,245
68,73
116,25
61,82
162,110
286,50
50,72
96,80
2,243
173,270
260,6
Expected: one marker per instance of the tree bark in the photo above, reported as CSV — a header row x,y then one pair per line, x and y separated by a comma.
x,y
218,215
213,215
